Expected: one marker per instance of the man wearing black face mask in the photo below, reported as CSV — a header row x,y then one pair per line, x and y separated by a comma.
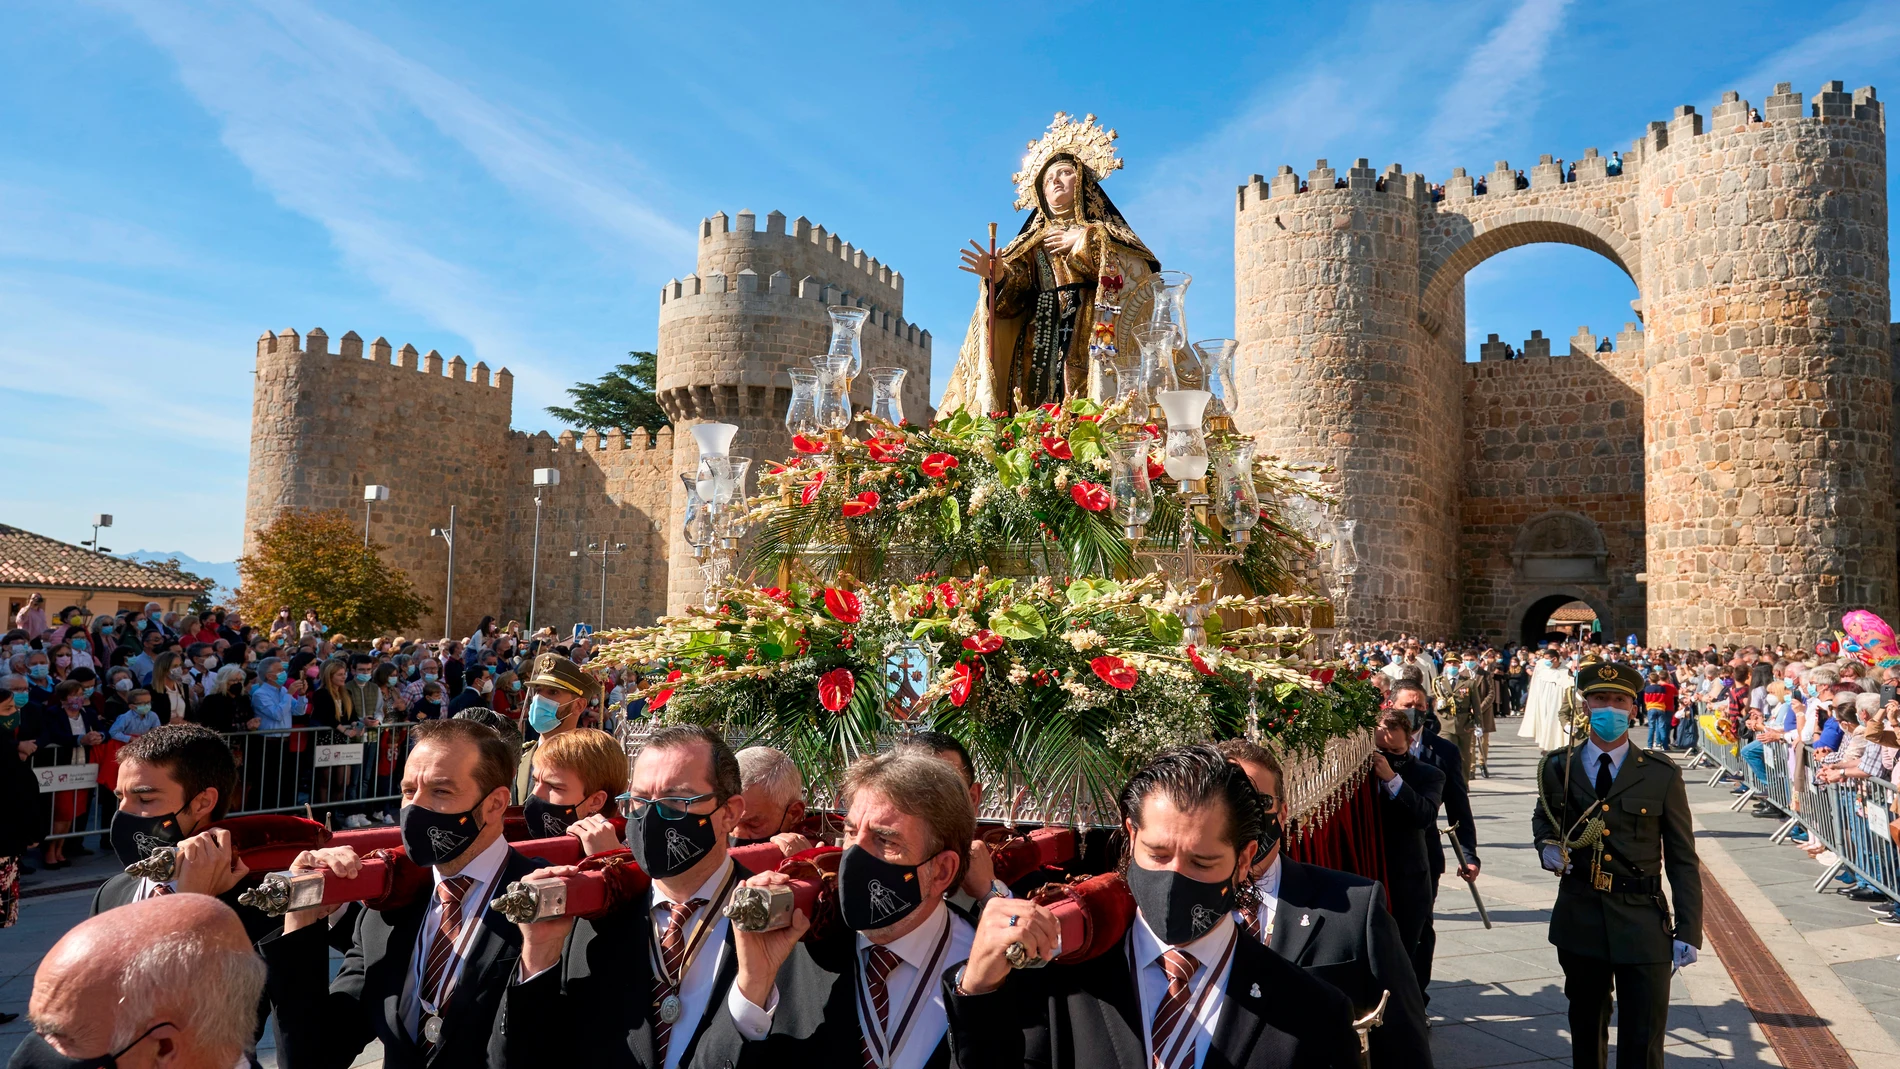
x,y
638,986
870,991
1409,791
1185,987
425,979
1332,924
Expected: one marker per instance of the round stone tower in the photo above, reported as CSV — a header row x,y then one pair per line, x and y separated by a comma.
x,y
1769,382
1336,368
756,306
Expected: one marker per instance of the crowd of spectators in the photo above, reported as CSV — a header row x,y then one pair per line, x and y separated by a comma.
x,y
75,688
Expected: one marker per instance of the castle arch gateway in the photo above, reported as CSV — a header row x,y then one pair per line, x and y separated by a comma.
x,y
1735,453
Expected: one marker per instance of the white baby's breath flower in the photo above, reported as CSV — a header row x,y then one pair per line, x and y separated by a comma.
x,y
1084,639
1017,675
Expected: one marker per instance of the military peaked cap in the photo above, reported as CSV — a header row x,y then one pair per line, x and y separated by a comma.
x,y
1609,677
554,670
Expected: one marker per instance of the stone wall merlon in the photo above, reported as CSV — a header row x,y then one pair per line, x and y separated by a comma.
x,y
753,296
350,346
791,248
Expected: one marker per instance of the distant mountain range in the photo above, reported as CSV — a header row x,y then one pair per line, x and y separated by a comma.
x,y
223,573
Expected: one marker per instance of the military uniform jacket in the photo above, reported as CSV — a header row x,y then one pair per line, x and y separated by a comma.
x,y
1648,836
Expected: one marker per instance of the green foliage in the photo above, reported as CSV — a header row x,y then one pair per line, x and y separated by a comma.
x,y
201,601
621,398
309,559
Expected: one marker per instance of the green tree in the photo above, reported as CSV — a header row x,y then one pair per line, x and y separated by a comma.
x,y
622,398
307,559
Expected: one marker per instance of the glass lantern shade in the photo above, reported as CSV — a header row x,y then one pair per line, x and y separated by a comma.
x,y
1185,453
1237,502
1133,497
834,385
847,324
801,416
1217,357
886,405
714,439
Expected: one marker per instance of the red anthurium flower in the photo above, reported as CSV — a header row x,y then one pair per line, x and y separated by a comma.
x,y
1324,675
1155,469
1051,407
1057,447
836,687
1092,496
810,493
947,594
1152,431
885,450
937,465
1200,665
967,675
1097,418
661,698
1114,671
777,595
842,605
984,641
860,504
807,445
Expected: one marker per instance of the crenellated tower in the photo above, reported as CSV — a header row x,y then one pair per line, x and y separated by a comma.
x,y
1484,495
325,423
754,307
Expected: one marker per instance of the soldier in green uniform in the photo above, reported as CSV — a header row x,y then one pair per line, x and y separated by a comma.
x,y
559,692
1611,819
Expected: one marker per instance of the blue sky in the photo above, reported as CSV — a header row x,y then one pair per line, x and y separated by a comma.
x,y
513,182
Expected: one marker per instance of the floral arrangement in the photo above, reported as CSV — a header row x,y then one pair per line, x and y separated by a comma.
x,y
1059,687
1023,494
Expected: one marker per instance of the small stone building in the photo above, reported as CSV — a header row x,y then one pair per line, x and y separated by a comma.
x,y
70,575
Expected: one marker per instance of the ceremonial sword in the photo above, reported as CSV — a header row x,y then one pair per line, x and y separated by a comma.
x,y
1458,848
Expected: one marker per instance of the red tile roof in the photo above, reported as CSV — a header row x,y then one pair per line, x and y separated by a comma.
x,y
31,560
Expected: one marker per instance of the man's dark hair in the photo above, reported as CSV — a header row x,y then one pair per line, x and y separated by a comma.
x,y
361,658
1409,684
932,743
192,754
495,765
725,764
1195,777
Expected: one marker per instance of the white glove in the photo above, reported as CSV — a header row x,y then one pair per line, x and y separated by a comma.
x,y
1685,954
1477,733
1553,859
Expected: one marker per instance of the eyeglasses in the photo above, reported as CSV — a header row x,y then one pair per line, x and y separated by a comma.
x,y
674,808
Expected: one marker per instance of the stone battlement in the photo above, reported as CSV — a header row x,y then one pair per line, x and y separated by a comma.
x,y
1832,102
613,440
801,249
1583,343
748,293
317,343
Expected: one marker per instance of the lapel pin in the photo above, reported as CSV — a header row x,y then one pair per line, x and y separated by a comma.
x,y
1305,919
1254,991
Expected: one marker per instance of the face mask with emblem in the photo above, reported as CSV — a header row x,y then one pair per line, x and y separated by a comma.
x,y
1178,907
431,838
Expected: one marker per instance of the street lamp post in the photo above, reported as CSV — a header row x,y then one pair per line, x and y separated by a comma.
x,y
603,549
447,534
371,494
103,519
542,477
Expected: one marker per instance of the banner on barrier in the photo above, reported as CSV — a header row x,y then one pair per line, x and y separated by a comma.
x,y
68,778
332,755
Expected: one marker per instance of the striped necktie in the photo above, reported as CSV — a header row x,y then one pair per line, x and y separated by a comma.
x,y
672,958
1250,919
438,971
1171,1017
878,963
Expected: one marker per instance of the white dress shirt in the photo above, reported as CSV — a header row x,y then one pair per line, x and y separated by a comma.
x,y
928,1024
1145,950
696,986
1591,751
484,870
1267,890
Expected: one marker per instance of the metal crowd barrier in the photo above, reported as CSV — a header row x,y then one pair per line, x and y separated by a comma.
x,y
1850,818
327,770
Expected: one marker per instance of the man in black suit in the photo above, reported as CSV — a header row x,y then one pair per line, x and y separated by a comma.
x,y
869,989
1433,749
1332,924
1409,790
979,883
597,977
426,979
1191,823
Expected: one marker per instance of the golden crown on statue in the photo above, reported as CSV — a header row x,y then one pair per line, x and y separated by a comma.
x,y
1093,146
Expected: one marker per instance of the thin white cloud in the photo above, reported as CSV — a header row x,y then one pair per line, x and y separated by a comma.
x,y
340,126
1499,76
1867,38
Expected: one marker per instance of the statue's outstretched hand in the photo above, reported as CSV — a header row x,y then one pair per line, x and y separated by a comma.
x,y
978,261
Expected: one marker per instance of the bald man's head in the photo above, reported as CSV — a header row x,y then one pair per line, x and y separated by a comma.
x,y
171,981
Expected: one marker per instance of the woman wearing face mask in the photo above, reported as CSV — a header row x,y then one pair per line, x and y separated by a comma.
x,y
67,733
119,683
282,628
20,822
61,656
331,707
506,699
226,708
171,689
